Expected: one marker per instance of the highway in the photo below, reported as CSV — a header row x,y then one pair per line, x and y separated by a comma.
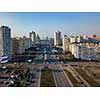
x,y
60,77
35,80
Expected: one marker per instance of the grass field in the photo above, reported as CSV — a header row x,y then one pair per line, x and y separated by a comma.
x,y
47,79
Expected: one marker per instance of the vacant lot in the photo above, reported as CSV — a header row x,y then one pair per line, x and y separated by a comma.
x,y
89,79
90,71
73,80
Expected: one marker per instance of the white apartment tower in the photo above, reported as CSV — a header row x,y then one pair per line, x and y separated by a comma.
x,y
57,38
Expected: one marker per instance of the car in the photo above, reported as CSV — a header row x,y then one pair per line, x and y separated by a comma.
x,y
4,67
11,82
29,60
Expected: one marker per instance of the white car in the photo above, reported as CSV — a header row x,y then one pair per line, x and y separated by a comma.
x,y
30,60
4,67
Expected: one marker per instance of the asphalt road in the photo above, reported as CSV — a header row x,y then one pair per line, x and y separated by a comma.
x,y
60,77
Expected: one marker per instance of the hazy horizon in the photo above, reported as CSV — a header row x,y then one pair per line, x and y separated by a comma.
x,y
46,23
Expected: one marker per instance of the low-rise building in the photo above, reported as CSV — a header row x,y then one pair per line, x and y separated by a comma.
x,y
83,52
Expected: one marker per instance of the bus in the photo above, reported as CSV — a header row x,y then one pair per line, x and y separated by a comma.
x,y
4,59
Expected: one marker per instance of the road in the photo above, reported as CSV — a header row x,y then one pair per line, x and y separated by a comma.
x,y
36,79
37,71
60,77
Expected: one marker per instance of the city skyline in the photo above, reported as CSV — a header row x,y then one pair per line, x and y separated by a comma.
x,y
45,23
58,62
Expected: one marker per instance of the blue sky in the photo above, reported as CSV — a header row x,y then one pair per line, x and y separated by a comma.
x,y
45,23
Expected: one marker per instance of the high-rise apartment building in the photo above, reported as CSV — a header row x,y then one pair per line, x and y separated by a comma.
x,y
66,43
32,36
14,46
5,41
57,38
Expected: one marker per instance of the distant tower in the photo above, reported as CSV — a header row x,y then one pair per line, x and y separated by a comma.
x,y
47,38
57,38
32,36
5,41
38,38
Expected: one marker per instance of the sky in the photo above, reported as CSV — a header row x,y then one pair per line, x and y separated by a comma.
x,y
46,23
